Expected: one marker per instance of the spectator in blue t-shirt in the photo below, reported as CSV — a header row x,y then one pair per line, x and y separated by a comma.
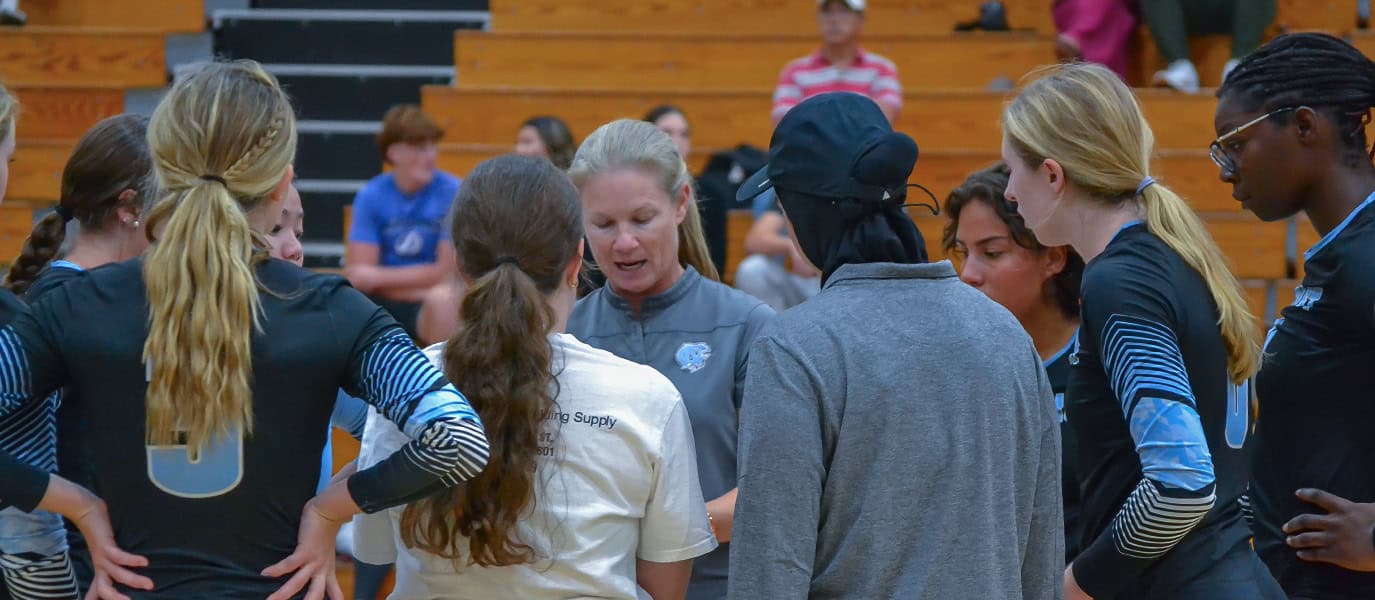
x,y
775,270
398,243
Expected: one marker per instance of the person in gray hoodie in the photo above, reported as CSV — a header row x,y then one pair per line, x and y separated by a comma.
x,y
899,438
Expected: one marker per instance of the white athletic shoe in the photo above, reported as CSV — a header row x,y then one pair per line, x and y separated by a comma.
x,y
13,16
1180,75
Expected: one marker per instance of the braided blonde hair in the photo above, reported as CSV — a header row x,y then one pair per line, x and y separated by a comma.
x,y
222,141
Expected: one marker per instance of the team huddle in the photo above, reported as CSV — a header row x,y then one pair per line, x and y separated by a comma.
x,y
1080,406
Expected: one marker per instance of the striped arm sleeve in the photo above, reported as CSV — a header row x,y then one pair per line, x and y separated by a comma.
x,y
39,577
1146,370
448,445
16,387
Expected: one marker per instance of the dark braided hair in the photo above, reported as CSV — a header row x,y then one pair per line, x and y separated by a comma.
x,y
987,186
1314,70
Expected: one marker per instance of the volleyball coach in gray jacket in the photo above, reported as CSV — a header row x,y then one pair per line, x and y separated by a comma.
x,y
900,439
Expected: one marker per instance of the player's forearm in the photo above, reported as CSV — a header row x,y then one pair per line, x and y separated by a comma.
x,y
1150,523
447,444
22,486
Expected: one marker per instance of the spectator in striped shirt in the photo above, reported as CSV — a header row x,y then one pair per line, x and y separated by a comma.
x,y
840,65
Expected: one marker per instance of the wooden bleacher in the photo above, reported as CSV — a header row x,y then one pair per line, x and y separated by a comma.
x,y
673,61
591,61
70,67
162,16
82,57
946,119
64,113
884,17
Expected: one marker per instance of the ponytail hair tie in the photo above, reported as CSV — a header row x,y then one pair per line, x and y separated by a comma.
x,y
1148,181
508,260
216,179
64,212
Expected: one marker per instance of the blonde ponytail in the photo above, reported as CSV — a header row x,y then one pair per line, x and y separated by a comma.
x,y
1084,117
1171,219
222,141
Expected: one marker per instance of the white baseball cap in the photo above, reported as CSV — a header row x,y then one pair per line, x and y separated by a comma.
x,y
855,5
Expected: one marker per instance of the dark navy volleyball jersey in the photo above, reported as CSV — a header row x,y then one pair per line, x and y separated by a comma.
x,y
74,461
1316,425
1140,297
207,528
1057,371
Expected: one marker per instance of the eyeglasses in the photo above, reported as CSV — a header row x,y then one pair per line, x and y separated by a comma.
x,y
1220,156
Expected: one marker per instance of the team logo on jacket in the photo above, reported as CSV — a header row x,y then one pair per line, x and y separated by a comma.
x,y
692,356
1306,297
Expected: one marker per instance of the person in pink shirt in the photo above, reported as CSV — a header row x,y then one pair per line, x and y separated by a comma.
x,y
840,65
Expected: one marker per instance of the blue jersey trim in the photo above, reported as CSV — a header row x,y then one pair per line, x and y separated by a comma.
x,y
1045,364
1331,235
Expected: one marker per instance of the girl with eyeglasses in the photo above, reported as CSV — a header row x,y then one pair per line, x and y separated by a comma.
x,y
1291,123
1158,397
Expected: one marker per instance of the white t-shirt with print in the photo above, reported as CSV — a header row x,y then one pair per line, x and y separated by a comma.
x,y
616,481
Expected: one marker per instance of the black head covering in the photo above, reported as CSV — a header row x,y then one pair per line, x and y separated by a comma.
x,y
840,172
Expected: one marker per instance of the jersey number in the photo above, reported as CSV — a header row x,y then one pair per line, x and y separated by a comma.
x,y
217,470
1239,402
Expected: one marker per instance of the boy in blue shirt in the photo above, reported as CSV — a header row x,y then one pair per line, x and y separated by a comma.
x,y
397,243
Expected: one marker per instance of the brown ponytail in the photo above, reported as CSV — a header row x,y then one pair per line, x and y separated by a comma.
x,y
517,223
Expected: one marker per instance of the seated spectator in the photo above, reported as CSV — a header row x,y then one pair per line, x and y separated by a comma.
x,y
1096,31
395,244
1172,22
547,137
840,65
671,120
775,270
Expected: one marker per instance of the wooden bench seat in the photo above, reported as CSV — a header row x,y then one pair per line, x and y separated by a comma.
x,y
73,57
64,113
944,119
162,16
16,222
671,61
36,173
882,17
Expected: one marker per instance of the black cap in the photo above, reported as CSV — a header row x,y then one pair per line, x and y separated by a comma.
x,y
836,145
